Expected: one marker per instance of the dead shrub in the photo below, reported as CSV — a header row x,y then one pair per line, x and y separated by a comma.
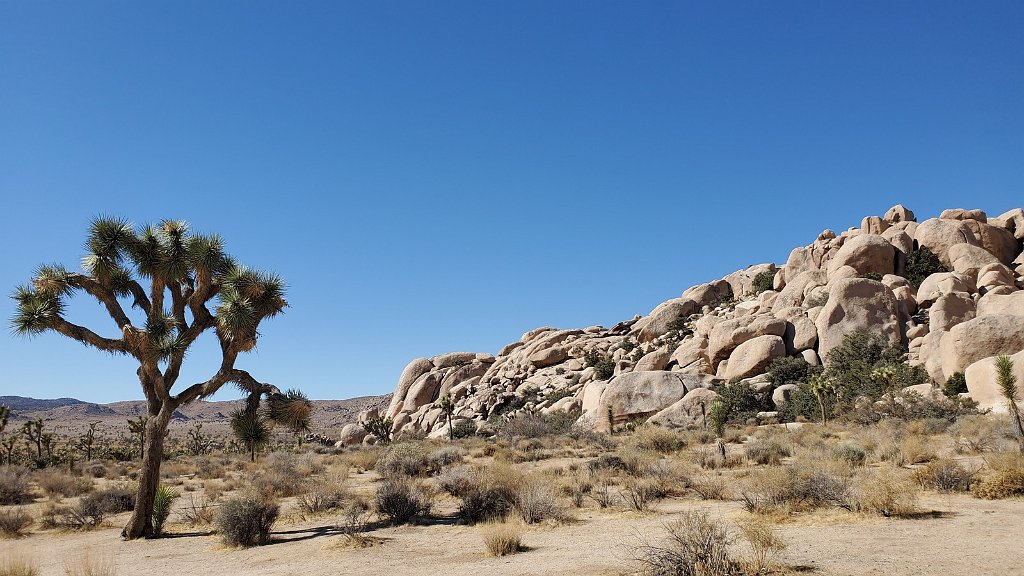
x,y
14,522
400,499
978,433
15,485
1003,479
502,538
95,470
914,449
886,492
537,502
639,494
805,485
14,565
945,476
694,545
649,437
198,512
444,457
766,451
764,545
406,459
576,487
326,494
489,493
710,486
58,483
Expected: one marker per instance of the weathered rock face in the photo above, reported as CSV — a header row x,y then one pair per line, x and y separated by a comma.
x,y
753,356
984,388
856,305
980,338
638,394
665,365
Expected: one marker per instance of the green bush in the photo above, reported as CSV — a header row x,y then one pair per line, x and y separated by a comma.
x,y
762,281
922,263
246,520
741,402
954,385
165,496
790,370
463,429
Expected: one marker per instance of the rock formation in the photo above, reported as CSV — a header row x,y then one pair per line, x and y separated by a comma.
x,y
665,366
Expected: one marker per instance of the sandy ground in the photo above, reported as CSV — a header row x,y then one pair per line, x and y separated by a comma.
x,y
964,536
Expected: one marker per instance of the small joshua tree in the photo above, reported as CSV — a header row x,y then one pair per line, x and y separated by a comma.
x,y
447,405
1007,381
719,415
8,443
33,431
251,429
138,428
820,386
380,427
87,440
5,413
198,443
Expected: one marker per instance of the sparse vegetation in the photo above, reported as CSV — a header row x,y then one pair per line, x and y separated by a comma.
x,y
246,520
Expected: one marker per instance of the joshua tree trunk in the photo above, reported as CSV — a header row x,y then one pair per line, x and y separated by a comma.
x,y
141,523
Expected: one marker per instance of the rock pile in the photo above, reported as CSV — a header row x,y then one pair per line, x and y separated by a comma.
x,y
666,365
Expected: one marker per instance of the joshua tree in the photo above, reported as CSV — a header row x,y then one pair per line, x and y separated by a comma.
x,y
292,410
447,405
820,386
87,440
138,428
33,431
8,443
380,427
251,429
5,413
179,285
1008,386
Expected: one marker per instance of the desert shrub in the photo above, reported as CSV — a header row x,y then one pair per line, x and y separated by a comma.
x,y
850,453
914,449
695,545
363,458
95,470
444,457
56,483
887,493
326,494
487,493
399,499
976,434
576,488
110,501
807,484
537,502
15,487
790,370
526,425
246,520
16,566
404,458
766,451
954,385
639,494
762,281
13,522
710,486
165,497
656,438
764,545
606,462
463,429
502,538
741,402
945,476
1003,479
922,263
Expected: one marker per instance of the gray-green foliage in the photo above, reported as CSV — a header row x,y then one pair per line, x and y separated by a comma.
x,y
165,496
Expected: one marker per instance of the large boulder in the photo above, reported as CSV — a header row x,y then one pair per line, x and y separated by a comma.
x,y
423,391
999,241
935,285
351,435
857,305
968,259
688,411
1006,304
741,281
753,356
782,395
654,360
984,388
729,334
709,293
867,254
549,356
973,340
899,213
797,288
639,395
940,235
1012,221
657,322
800,332
410,374
950,310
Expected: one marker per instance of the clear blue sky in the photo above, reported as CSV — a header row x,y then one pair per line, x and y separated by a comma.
x,y
439,176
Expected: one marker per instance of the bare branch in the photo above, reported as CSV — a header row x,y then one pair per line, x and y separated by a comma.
x,y
104,295
86,336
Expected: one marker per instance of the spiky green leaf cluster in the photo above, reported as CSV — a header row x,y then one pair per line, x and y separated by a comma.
x,y
291,409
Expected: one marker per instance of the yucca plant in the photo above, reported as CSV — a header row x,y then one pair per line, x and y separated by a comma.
x,y
1007,381
165,496
163,286
251,429
447,406
291,410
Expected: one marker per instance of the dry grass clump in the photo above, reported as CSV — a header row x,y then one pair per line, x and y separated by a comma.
x,y
90,511
444,457
945,475
710,486
14,522
406,458
401,499
694,545
886,492
198,512
328,493
15,485
1004,478
649,437
764,451
537,502
488,493
978,433
764,543
246,520
807,484
282,475
502,538
17,566
914,449
58,483
87,565
209,469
